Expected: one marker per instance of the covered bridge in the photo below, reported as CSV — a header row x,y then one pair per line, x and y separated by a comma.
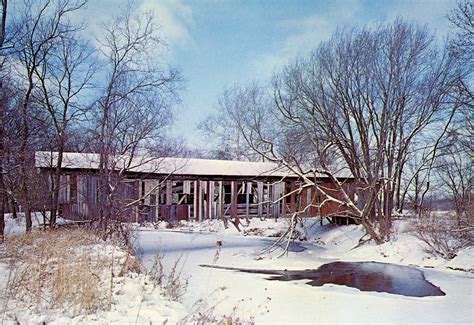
x,y
188,188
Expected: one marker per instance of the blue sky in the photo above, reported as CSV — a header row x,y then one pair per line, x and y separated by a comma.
x,y
217,43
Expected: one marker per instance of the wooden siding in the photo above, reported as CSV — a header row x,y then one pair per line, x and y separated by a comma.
x,y
176,199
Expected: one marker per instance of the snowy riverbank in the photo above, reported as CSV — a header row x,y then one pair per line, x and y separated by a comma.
x,y
214,294
253,297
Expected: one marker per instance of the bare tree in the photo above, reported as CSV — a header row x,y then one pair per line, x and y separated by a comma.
x,y
462,18
241,106
2,185
367,95
64,76
462,45
40,26
449,160
456,169
456,172
135,104
221,130
13,165
376,92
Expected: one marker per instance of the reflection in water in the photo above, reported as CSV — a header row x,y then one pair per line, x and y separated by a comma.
x,y
365,276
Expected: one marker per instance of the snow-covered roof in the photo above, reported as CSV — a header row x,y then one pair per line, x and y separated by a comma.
x,y
166,166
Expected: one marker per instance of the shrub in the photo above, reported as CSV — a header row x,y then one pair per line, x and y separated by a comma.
x,y
442,234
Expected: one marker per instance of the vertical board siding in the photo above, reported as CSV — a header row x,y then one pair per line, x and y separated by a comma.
x,y
199,199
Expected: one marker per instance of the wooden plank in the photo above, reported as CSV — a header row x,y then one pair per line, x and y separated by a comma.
x,y
209,199
213,202
158,202
195,199
68,188
181,212
186,187
274,197
302,201
280,191
270,197
292,197
308,201
169,192
220,204
260,199
200,199
247,199
233,202
142,191
314,201
204,200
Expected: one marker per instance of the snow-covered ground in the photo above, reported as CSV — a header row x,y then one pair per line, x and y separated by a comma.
x,y
131,297
134,299
253,297
17,226
214,293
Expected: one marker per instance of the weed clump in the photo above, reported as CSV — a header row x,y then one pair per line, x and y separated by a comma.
x,y
70,270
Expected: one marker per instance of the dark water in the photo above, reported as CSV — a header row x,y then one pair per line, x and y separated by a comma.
x,y
365,276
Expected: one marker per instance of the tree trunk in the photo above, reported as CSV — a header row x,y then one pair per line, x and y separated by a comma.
x,y
3,196
13,206
368,217
28,220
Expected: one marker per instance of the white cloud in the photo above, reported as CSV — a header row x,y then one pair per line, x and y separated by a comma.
x,y
173,18
306,33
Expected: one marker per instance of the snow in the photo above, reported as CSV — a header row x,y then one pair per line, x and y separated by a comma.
x,y
223,294
135,300
134,297
257,227
464,260
166,165
173,165
17,226
253,297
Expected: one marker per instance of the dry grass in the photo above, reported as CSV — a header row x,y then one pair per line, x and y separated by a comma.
x,y
173,283
67,270
205,310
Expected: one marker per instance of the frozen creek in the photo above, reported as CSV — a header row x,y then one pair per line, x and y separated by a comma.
x,y
253,295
